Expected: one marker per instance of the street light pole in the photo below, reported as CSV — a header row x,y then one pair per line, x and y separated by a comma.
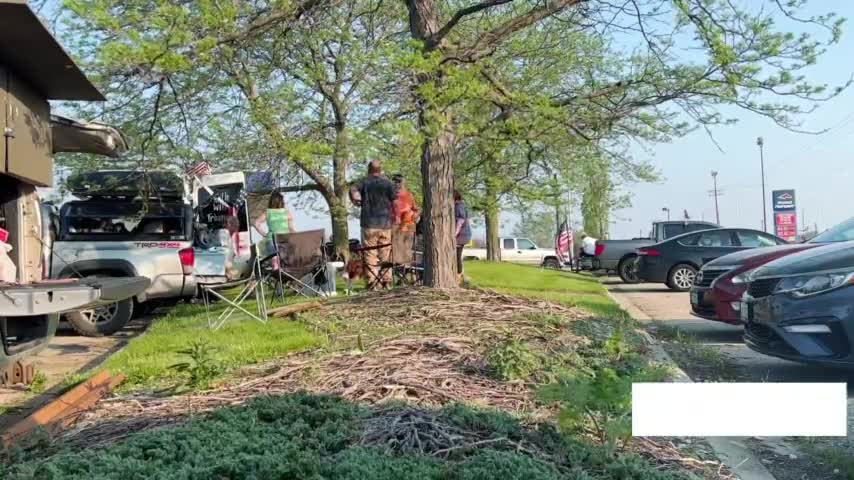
x,y
761,143
715,193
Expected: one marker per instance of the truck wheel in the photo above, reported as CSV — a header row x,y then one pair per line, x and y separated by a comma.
x,y
102,320
627,270
551,263
681,277
142,309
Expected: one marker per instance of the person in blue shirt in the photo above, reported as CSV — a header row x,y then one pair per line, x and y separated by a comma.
x,y
462,231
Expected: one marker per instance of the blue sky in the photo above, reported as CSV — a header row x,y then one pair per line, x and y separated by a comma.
x,y
819,167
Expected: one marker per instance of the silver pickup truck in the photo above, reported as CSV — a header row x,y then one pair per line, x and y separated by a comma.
x,y
619,255
121,229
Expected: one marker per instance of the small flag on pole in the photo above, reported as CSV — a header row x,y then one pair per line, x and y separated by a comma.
x,y
202,169
563,243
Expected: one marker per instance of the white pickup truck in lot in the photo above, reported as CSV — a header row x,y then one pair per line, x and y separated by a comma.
x,y
518,250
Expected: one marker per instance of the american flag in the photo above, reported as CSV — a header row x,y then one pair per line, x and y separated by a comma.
x,y
563,243
201,169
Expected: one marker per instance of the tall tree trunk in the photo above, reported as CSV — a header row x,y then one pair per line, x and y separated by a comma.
x,y
340,229
437,160
338,208
492,213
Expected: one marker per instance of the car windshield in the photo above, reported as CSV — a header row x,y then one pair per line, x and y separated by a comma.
x,y
119,221
839,233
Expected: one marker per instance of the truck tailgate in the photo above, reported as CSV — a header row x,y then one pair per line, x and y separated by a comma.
x,y
53,297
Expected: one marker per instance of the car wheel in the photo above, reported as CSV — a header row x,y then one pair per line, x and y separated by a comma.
x,y
102,320
628,270
552,263
681,277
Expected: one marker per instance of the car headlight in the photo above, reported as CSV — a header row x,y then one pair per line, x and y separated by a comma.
x,y
743,277
807,285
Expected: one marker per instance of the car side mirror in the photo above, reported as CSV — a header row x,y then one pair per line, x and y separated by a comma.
x,y
532,248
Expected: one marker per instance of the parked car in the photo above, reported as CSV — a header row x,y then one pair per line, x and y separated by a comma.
x,y
518,250
121,231
799,307
620,255
675,262
29,305
720,284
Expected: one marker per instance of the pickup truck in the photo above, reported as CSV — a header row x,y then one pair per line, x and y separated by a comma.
x,y
115,230
518,250
619,255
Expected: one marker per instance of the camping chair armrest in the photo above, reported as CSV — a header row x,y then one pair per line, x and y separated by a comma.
x,y
375,247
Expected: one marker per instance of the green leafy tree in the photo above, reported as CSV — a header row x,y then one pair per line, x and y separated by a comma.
x,y
652,93
281,86
184,76
538,225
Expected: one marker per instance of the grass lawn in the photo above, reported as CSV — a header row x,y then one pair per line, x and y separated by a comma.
x,y
561,287
147,361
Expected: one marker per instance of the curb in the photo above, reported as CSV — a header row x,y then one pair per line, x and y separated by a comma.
x,y
729,450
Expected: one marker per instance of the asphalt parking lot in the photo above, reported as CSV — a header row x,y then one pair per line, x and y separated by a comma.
x,y
672,308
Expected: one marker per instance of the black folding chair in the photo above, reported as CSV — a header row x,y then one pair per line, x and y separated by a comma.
x,y
405,264
301,262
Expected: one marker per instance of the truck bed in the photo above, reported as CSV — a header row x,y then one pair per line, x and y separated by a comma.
x,y
615,250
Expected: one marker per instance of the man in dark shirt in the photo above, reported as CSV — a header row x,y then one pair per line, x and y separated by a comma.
x,y
375,195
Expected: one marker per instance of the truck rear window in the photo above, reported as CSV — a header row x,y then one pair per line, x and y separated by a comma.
x,y
118,221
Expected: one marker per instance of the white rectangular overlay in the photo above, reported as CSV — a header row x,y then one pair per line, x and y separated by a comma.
x,y
739,409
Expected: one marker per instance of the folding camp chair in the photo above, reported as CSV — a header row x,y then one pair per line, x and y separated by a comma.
x,y
253,285
404,262
374,278
302,262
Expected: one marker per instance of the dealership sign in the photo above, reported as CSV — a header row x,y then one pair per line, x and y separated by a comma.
x,y
785,214
783,200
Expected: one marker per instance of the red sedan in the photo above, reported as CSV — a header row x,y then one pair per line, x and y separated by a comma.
x,y
719,285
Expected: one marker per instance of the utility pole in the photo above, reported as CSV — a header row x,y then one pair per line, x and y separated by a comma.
x,y
761,144
715,193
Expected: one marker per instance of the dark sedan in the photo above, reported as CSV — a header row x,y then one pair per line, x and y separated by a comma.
x,y
801,307
675,262
717,291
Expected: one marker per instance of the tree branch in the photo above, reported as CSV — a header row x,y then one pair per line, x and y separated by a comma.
x,y
436,39
262,24
310,187
490,40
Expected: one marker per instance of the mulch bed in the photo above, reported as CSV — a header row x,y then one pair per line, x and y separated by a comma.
x,y
435,360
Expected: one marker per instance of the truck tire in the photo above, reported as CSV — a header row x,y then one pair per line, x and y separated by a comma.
x,y
142,309
103,320
681,277
627,270
551,264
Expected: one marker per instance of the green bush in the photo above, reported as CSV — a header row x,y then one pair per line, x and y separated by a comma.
x,y
512,359
315,437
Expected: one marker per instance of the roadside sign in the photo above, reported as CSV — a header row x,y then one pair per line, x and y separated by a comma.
x,y
785,214
785,225
783,200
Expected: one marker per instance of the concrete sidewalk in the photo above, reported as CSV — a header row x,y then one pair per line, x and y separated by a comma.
x,y
731,451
